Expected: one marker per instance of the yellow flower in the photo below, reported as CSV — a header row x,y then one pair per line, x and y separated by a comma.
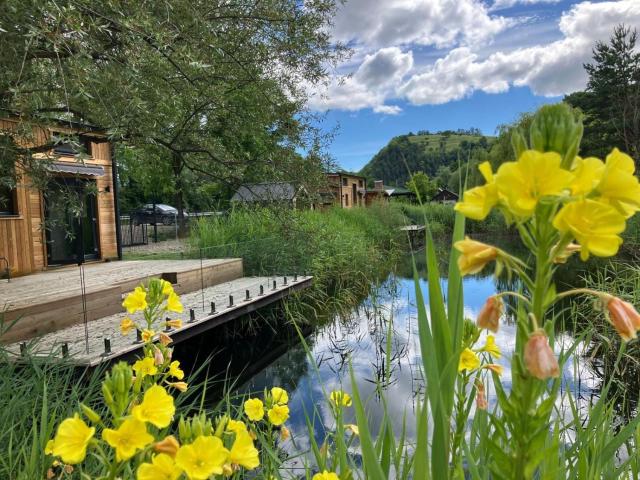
x,y
126,325
136,300
353,428
169,445
181,386
587,174
173,303
494,367
474,255
164,339
145,366
48,448
243,452
156,408
71,440
235,426
569,250
130,437
619,186
279,396
325,475
147,335
477,202
254,409
202,458
468,360
167,288
491,347
176,323
278,414
162,467
340,398
535,175
285,434
594,225
175,371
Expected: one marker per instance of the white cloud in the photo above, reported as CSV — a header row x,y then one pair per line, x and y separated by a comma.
x,y
552,69
387,109
375,80
442,23
502,4
471,63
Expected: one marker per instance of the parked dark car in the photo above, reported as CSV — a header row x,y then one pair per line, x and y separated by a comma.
x,y
164,214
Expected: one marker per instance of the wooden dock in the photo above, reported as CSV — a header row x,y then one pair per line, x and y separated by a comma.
x,y
232,299
53,300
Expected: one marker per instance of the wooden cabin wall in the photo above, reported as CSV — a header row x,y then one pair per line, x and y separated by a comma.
x,y
22,237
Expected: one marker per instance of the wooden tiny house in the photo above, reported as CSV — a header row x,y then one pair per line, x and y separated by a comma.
x,y
38,229
348,189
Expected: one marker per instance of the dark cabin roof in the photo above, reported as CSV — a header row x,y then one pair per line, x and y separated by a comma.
x,y
444,194
265,192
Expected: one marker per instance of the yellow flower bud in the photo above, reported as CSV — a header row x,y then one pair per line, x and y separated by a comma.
x,y
539,357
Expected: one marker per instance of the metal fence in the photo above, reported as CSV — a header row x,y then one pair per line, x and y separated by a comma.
x,y
137,230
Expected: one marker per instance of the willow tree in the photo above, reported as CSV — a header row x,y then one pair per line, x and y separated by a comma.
x,y
218,87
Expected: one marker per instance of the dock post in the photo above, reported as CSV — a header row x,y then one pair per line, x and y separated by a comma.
x,y
23,349
192,315
275,286
261,290
65,350
231,300
138,336
107,346
167,327
295,277
284,282
213,307
247,295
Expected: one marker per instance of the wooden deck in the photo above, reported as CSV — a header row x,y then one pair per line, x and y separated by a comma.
x,y
249,294
53,300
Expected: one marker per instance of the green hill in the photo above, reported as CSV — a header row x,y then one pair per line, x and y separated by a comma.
x,y
426,152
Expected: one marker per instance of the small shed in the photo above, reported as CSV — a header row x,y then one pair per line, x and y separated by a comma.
x,y
444,195
271,193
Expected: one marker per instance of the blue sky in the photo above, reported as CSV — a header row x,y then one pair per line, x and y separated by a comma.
x,y
448,64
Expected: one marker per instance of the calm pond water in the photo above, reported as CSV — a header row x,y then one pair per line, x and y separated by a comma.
x,y
362,338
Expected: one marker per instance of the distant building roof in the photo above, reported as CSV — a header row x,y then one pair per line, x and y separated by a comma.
x,y
398,192
444,194
266,192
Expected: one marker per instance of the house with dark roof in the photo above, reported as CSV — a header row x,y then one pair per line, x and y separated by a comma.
x,y
444,195
272,193
380,192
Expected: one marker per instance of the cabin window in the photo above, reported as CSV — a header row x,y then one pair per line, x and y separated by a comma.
x,y
361,183
8,203
344,182
71,147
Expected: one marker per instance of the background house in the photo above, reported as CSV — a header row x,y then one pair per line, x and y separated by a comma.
x,y
272,193
444,195
348,189
41,228
386,194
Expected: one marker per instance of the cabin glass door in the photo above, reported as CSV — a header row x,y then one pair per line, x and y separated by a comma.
x,y
71,221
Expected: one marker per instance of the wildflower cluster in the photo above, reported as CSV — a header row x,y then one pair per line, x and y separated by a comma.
x,y
154,301
131,437
561,204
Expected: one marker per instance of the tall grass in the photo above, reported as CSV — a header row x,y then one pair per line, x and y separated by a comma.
x,y
441,219
344,249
